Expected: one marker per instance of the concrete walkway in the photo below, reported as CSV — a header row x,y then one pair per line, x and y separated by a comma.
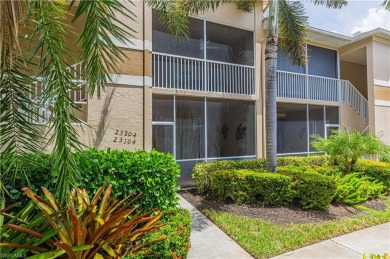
x,y
374,240
208,241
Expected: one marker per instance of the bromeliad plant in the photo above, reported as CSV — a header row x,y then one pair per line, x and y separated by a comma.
x,y
97,228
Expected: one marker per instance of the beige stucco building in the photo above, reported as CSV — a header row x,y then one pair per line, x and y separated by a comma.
x,y
202,99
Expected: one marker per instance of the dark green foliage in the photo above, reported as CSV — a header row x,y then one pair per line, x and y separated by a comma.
x,y
313,190
177,243
201,172
248,186
152,173
355,188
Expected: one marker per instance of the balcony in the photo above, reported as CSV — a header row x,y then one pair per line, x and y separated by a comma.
x,y
193,74
35,91
316,88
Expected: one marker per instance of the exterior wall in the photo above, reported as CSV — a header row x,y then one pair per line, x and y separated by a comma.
x,y
229,15
382,122
351,119
381,54
381,85
356,74
118,114
126,104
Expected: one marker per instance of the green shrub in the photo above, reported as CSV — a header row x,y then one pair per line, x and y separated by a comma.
x,y
356,188
153,174
201,172
376,170
247,186
304,161
312,190
177,243
346,148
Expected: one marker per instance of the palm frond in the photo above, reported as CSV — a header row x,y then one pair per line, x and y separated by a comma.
x,y
292,31
331,3
49,27
18,136
386,5
174,14
101,27
11,13
246,5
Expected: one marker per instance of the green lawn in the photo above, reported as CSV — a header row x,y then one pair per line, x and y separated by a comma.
x,y
265,239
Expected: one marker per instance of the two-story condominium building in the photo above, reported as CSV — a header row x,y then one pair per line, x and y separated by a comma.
x,y
202,99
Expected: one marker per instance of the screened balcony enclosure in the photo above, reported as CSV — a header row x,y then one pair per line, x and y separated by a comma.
x,y
203,129
214,58
297,123
318,80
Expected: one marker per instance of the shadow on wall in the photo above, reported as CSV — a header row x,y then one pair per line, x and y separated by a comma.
x,y
103,117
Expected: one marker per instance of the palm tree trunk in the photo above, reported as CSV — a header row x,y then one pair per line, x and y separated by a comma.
x,y
271,51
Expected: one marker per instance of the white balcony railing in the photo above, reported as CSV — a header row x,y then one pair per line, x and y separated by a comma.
x,y
183,73
35,91
307,87
351,95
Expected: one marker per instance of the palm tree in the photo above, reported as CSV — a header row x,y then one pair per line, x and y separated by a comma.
x,y
32,41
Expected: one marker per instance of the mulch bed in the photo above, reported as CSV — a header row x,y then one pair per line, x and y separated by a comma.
x,y
281,215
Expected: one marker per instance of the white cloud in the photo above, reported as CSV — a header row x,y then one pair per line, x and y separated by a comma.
x,y
375,18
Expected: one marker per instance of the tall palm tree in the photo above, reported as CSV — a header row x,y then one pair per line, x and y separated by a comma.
x,y
32,41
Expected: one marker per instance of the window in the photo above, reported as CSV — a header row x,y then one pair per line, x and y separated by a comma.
x,y
297,123
292,128
230,128
190,128
322,62
165,42
285,63
223,43
200,129
228,44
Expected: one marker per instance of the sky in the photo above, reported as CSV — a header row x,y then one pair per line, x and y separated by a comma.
x,y
359,15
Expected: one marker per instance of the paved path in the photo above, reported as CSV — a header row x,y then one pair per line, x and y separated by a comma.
x,y
208,241
353,245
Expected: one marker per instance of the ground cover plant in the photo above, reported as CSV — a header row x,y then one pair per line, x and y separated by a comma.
x,y
84,228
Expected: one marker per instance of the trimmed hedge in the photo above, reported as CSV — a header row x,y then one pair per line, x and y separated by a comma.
x,y
152,173
291,185
177,243
248,186
312,190
201,171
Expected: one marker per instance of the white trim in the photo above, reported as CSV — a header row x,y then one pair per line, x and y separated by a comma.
x,y
381,83
130,80
132,44
382,103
